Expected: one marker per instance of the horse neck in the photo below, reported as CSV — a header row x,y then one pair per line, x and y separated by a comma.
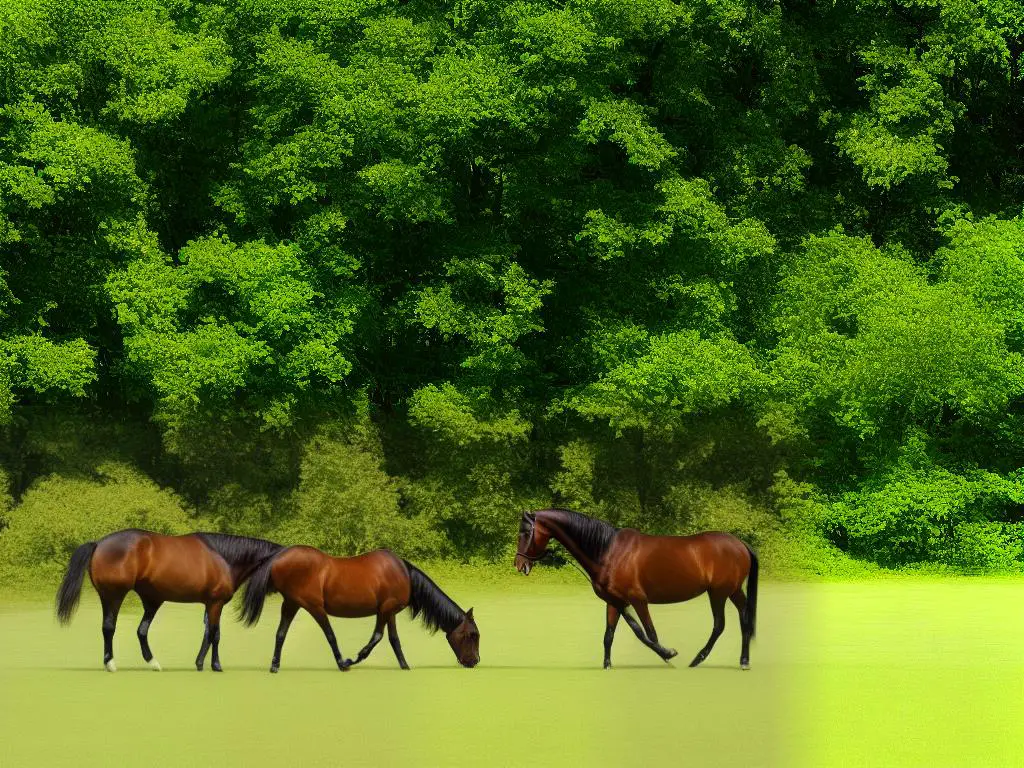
x,y
560,529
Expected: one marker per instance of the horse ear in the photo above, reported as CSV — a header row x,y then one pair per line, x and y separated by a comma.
x,y
469,614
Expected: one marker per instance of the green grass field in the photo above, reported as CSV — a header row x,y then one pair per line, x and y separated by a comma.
x,y
927,673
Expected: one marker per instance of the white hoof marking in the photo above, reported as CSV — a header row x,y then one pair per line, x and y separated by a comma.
x,y
111,666
155,665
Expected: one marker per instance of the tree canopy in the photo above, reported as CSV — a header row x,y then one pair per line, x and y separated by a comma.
x,y
653,259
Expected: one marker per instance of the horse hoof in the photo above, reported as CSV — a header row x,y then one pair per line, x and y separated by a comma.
x,y
110,665
199,667
671,654
696,662
607,665
155,665
745,666
273,669
216,667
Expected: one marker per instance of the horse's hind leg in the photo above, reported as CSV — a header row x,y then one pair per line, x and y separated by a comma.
x,y
645,618
396,644
740,601
288,611
150,607
205,645
718,612
111,603
211,637
378,633
321,618
213,613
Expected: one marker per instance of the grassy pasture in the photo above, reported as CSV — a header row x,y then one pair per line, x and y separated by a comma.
x,y
900,673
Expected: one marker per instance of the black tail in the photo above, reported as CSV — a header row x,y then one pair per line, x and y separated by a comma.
x,y
436,609
70,589
256,590
751,612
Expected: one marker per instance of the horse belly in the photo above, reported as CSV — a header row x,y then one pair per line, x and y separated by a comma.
x,y
671,577
350,595
182,571
673,593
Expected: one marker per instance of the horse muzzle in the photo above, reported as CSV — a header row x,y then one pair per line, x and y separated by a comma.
x,y
524,565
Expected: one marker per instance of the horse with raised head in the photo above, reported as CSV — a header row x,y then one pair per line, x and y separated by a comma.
x,y
195,568
377,584
628,568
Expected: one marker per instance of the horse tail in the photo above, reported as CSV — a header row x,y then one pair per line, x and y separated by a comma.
x,y
750,614
260,585
70,589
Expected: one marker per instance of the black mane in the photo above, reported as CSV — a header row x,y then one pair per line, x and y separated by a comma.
x,y
435,608
240,551
593,536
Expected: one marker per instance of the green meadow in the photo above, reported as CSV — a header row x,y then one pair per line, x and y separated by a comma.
x,y
889,672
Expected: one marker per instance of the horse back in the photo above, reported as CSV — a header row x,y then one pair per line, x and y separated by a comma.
x,y
348,587
174,568
669,569
366,585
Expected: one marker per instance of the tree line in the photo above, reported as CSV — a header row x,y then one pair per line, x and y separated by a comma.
x,y
374,272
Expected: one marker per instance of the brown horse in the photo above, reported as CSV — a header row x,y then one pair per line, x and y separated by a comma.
x,y
196,568
629,568
375,584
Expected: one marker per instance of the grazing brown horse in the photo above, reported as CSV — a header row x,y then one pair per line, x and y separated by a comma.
x,y
629,568
196,568
375,584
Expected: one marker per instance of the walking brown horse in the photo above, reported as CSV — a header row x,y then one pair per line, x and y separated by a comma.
x,y
629,568
374,584
196,568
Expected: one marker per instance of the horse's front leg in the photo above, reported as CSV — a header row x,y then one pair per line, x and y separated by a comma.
x,y
609,633
396,644
664,653
652,634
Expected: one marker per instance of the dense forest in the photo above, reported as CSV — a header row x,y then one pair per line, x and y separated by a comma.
x,y
367,272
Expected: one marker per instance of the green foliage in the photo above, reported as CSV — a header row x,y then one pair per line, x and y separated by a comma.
x,y
917,511
58,513
867,336
346,503
229,320
676,264
680,374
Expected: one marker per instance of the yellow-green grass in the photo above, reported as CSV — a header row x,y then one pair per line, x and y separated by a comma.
x,y
923,672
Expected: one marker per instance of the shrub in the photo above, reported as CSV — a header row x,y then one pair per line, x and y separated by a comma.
x,y
913,515
57,514
346,503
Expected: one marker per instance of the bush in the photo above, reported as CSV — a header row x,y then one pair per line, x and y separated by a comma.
x,y
347,504
914,515
58,513
986,547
